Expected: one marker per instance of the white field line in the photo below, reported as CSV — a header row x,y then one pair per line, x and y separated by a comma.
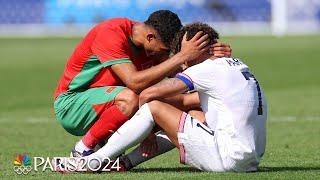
x,y
35,120
293,118
29,120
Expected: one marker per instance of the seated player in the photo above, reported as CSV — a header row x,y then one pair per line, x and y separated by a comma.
x,y
114,62
234,135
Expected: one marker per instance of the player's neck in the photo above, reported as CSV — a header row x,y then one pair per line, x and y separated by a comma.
x,y
207,56
138,34
212,57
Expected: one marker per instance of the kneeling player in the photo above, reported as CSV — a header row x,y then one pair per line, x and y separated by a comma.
x,y
232,100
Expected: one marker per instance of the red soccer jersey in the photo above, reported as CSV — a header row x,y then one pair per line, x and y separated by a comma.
x,y
106,44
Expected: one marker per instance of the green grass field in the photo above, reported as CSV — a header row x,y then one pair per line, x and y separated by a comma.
x,y
287,69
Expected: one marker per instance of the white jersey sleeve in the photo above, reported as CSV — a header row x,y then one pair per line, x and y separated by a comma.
x,y
196,78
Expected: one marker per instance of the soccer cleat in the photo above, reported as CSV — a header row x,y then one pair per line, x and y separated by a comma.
x,y
123,167
75,153
125,163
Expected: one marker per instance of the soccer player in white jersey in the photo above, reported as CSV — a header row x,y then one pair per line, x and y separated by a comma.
x,y
233,136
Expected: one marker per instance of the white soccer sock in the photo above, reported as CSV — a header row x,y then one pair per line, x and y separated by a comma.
x,y
80,147
164,145
129,134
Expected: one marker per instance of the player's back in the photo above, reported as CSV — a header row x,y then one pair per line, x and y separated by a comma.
x,y
234,105
105,44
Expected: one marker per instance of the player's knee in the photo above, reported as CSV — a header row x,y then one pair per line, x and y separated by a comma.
x,y
132,101
154,107
127,101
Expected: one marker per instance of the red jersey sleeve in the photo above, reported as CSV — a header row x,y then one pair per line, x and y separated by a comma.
x,y
110,45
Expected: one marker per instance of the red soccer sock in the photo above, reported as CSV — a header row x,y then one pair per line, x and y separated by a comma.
x,y
109,121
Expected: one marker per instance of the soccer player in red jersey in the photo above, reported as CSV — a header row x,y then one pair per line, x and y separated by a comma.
x,y
113,63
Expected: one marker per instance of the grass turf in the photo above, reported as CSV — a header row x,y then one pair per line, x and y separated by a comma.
x,y
287,69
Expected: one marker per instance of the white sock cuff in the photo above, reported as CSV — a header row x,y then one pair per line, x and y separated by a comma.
x,y
80,147
145,110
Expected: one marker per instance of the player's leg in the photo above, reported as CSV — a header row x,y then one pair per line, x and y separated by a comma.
x,y
134,158
129,134
138,128
110,118
168,118
196,142
96,113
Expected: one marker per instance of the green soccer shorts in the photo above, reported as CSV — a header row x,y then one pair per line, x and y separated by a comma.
x,y
77,111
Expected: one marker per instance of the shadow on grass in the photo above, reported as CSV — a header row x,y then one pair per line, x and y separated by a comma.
x,y
190,169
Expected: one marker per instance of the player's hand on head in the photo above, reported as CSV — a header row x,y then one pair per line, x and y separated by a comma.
x,y
149,146
196,46
220,50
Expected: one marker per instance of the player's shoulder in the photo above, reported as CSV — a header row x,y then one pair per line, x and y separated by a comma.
x,y
117,21
119,29
200,68
206,64
217,65
117,24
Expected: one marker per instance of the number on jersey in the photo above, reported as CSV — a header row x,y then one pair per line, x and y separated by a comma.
x,y
248,76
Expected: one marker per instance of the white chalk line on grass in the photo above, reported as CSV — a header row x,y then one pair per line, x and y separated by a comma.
x,y
293,118
34,120
46,120
29,120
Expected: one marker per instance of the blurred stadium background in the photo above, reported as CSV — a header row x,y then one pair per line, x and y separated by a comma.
x,y
278,39
231,17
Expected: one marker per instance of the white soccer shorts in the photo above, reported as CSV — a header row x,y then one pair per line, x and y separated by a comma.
x,y
198,145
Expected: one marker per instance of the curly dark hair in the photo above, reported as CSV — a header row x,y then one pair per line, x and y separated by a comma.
x,y
192,30
166,23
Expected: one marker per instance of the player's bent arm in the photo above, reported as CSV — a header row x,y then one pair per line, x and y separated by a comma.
x,y
184,102
191,100
140,80
165,88
176,101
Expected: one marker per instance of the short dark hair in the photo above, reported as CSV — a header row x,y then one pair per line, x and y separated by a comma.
x,y
166,23
192,30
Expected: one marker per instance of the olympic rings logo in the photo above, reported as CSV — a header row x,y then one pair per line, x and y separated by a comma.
x,y
22,169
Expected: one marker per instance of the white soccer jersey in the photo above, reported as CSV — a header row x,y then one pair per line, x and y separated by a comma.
x,y
235,108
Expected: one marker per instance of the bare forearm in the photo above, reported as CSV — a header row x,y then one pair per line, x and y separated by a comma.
x,y
191,100
168,89
184,102
176,101
146,78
